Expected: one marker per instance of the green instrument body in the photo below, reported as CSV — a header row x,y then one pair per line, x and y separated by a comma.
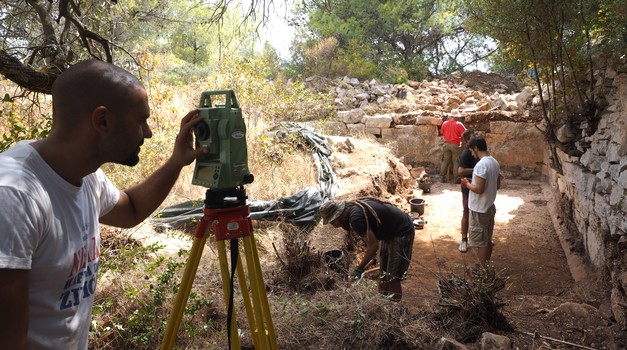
x,y
223,131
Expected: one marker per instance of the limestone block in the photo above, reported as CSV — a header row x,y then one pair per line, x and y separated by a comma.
x,y
356,129
436,101
513,106
449,344
436,90
465,108
454,99
587,183
604,186
616,169
617,195
484,106
602,207
428,107
578,316
615,150
564,157
400,131
353,116
417,143
622,180
424,120
570,171
591,161
595,237
618,309
351,81
379,91
373,131
618,224
491,341
500,127
378,121
500,104
382,99
524,96
362,96
516,144
405,118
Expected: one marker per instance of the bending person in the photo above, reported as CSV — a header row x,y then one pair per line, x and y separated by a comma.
x,y
376,221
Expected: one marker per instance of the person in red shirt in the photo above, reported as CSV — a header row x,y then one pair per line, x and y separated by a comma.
x,y
452,129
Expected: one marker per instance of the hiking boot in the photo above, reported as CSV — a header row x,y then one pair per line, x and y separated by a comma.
x,y
463,246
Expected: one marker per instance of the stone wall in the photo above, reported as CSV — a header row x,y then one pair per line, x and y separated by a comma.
x,y
591,189
409,117
513,137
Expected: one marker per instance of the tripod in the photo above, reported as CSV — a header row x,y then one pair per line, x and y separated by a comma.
x,y
228,215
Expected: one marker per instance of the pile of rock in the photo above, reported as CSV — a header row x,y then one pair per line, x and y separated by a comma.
x,y
437,95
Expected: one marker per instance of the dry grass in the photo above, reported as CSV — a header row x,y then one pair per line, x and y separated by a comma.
x,y
280,164
350,316
468,305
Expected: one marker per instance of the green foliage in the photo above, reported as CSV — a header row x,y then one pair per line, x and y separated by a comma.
x,y
609,24
559,41
358,65
417,37
261,98
16,128
504,63
134,316
374,32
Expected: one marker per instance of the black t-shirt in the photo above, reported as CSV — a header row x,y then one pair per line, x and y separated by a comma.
x,y
466,160
394,222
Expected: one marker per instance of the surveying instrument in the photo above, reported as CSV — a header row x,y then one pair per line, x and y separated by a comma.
x,y
224,170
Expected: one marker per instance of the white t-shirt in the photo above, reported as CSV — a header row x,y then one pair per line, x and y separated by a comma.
x,y
50,227
488,169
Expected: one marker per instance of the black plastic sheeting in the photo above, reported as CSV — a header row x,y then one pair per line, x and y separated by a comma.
x,y
299,208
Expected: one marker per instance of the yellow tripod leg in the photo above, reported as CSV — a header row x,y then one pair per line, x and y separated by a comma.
x,y
262,297
241,277
226,289
258,293
183,294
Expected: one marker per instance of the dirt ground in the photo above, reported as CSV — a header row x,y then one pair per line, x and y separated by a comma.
x,y
547,307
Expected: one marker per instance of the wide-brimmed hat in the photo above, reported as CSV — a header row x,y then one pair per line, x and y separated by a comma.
x,y
331,210
455,114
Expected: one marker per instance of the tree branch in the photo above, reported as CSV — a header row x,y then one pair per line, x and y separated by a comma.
x,y
27,77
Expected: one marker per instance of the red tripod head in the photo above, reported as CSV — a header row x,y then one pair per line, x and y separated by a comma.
x,y
228,223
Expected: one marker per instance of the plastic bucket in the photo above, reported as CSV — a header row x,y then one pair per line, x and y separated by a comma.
x,y
417,205
334,259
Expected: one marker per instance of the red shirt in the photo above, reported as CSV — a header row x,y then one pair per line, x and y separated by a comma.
x,y
452,131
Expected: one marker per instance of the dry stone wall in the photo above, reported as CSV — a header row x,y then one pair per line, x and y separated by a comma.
x,y
591,188
409,117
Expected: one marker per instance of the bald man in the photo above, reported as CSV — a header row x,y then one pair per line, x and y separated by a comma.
x,y
53,197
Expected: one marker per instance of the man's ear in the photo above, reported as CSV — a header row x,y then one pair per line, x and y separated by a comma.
x,y
101,120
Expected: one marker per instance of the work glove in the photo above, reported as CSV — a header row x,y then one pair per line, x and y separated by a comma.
x,y
357,272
